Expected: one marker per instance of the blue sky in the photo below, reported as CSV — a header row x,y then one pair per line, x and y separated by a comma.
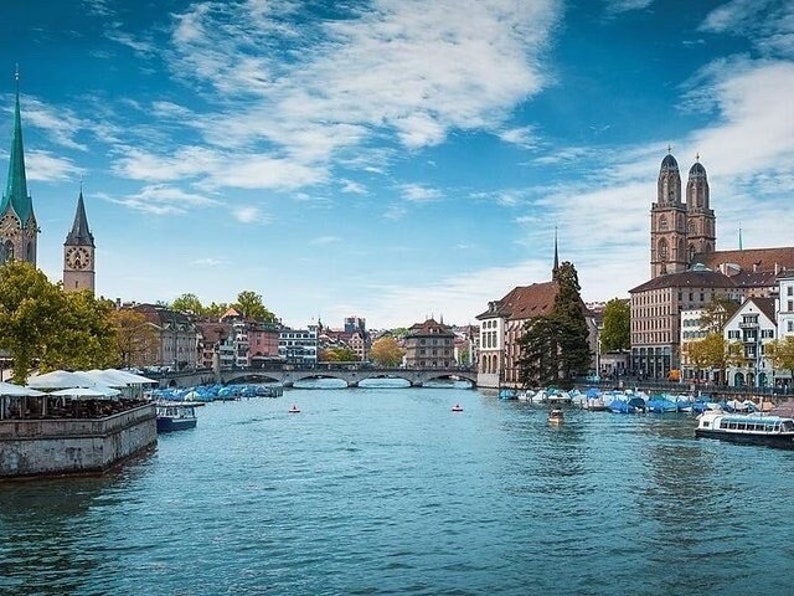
x,y
391,159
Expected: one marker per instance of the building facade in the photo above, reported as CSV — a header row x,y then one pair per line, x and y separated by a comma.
x,y
178,337
430,344
754,326
298,346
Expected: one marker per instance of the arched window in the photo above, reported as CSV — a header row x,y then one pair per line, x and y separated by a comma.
x,y
662,224
690,227
663,250
691,252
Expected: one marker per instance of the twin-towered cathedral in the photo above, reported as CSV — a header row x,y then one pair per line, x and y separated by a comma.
x,y
679,230
19,230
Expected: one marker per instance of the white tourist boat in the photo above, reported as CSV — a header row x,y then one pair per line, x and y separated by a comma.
x,y
756,429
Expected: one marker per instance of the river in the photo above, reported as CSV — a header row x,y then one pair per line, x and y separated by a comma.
x,y
386,491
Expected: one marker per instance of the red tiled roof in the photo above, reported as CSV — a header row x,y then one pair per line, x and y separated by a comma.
x,y
687,279
758,259
524,302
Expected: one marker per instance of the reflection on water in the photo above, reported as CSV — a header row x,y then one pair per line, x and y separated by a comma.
x,y
373,490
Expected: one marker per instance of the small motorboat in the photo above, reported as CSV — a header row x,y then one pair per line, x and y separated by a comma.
x,y
457,408
173,416
294,409
556,416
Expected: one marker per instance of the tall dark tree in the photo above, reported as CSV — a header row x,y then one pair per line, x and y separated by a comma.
x,y
554,347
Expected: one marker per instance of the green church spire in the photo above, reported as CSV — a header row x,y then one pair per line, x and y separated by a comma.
x,y
16,195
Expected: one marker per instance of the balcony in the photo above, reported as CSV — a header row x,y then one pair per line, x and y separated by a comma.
x,y
748,325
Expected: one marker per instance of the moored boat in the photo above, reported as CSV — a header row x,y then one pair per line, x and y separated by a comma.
x,y
173,416
756,429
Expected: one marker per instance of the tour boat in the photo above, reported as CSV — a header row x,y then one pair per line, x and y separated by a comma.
x,y
757,429
294,409
556,416
175,416
457,408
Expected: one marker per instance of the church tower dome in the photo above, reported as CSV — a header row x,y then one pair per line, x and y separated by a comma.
x,y
701,225
668,221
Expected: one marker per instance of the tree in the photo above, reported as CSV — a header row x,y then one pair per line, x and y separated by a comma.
x,y
136,339
87,335
386,352
717,312
338,354
554,347
714,352
617,326
781,353
215,311
250,306
31,315
188,303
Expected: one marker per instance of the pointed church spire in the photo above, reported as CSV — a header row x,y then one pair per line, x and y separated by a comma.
x,y
16,194
556,256
740,236
81,234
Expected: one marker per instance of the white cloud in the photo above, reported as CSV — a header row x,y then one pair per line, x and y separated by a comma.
x,y
207,262
249,214
44,166
160,199
353,187
324,240
618,6
417,193
523,136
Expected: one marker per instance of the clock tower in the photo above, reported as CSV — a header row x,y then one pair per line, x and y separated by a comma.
x,y
78,253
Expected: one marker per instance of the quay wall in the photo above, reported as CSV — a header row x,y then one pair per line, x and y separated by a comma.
x,y
58,447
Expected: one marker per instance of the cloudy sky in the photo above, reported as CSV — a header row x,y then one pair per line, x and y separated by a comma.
x,y
391,159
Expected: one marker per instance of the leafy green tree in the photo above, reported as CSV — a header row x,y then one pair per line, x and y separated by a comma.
x,y
617,326
781,353
188,303
86,337
338,354
714,352
386,352
250,305
31,315
216,310
554,348
136,339
717,312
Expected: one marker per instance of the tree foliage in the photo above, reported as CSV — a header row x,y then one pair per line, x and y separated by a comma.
x,y
714,352
87,335
338,354
554,347
249,304
386,352
136,339
781,353
188,303
616,334
717,312
39,322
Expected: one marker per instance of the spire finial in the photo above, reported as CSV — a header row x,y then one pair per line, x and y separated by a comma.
x,y
740,235
556,255
697,157
669,149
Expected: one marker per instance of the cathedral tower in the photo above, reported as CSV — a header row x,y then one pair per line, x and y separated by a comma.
x,y
78,253
668,222
18,228
701,225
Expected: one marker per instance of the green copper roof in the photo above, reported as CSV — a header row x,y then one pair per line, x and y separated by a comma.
x,y
16,195
80,235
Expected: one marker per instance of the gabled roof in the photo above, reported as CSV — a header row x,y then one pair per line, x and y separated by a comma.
x,y
765,306
430,327
687,279
524,302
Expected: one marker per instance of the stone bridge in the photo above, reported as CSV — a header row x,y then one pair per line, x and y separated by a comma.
x,y
289,375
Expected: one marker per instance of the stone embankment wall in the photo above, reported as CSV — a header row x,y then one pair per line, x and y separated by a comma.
x,y
62,446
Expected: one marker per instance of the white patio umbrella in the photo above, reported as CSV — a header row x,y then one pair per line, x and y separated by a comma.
x,y
8,390
118,378
61,379
96,392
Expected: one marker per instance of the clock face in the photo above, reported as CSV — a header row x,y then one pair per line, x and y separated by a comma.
x,y
78,257
9,226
